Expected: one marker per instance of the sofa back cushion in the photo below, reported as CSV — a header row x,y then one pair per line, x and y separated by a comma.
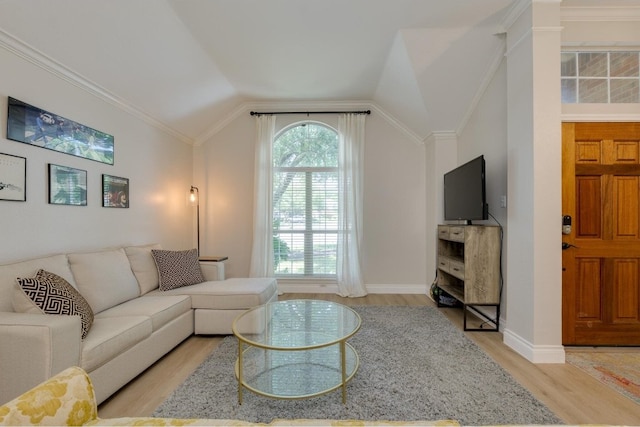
x,y
104,278
143,266
10,272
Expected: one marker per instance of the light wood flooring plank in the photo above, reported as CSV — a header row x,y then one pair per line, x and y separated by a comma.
x,y
571,394
149,389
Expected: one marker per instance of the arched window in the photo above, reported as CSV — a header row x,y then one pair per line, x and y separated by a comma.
x,y
305,201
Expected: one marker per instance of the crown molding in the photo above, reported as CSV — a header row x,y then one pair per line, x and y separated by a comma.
x,y
221,124
396,123
309,106
448,136
600,13
576,13
34,56
514,12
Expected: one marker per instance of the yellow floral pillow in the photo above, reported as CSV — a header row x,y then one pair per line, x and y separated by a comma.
x,y
66,399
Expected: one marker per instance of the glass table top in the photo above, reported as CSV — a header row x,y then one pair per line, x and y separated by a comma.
x,y
296,324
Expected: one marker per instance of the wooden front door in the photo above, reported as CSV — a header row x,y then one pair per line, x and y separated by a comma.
x,y
601,254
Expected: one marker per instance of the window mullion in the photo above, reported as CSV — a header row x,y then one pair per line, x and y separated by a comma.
x,y
308,227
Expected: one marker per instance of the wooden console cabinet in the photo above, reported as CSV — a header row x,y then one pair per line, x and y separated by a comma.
x,y
469,267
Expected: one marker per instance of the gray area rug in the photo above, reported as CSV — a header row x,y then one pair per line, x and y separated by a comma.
x,y
414,365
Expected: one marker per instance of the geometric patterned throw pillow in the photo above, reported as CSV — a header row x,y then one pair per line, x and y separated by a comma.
x,y
177,268
54,295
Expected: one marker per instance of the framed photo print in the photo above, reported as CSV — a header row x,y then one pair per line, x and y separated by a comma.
x,y
35,126
115,191
13,178
67,186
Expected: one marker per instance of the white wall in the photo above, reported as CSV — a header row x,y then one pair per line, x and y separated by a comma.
x,y
159,168
224,173
394,199
441,155
485,133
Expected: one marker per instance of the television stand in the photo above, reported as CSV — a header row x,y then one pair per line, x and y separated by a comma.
x,y
469,268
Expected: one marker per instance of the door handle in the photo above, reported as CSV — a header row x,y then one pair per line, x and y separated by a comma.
x,y
566,246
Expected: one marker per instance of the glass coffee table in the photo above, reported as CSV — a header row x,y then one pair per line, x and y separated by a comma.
x,y
296,349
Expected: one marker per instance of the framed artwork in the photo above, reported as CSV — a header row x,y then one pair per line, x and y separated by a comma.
x,y
67,186
115,191
35,126
13,178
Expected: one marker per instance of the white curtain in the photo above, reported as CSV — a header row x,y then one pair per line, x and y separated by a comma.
x,y
262,251
351,134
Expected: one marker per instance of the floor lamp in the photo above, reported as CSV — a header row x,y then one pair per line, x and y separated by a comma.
x,y
194,199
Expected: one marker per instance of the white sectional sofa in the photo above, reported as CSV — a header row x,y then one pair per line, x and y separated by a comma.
x,y
134,322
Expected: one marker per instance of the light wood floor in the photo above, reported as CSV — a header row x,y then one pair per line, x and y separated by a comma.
x,y
572,395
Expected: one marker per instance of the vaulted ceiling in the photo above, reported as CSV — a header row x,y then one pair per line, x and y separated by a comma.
x,y
188,64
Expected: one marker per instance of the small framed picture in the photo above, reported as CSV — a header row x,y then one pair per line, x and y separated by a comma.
x,y
13,178
115,191
67,186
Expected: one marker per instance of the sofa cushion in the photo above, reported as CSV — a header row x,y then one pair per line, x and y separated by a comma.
x,y
104,278
143,266
9,272
229,294
112,336
161,309
49,293
177,268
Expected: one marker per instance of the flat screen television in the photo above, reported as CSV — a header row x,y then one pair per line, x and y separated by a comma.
x,y
465,196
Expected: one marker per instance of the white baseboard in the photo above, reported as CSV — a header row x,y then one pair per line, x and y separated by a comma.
x,y
398,289
332,288
534,353
307,288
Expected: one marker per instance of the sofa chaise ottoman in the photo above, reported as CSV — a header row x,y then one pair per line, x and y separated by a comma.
x,y
122,320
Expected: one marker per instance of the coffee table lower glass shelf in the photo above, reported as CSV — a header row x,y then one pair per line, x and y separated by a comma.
x,y
296,349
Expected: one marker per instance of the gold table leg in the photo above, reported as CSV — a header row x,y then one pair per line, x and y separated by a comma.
x,y
343,361
239,372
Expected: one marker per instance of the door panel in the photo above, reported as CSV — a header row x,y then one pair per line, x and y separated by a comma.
x,y
588,193
625,207
590,289
625,289
601,260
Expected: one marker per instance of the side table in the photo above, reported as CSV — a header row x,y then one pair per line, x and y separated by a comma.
x,y
214,262
213,258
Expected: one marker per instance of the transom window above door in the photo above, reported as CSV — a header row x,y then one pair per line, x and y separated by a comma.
x,y
305,201
600,77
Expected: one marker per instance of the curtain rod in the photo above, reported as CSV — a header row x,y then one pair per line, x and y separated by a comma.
x,y
256,113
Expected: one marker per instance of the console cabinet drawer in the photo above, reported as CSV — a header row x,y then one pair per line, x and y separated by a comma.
x,y
443,263
443,232
456,234
456,268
